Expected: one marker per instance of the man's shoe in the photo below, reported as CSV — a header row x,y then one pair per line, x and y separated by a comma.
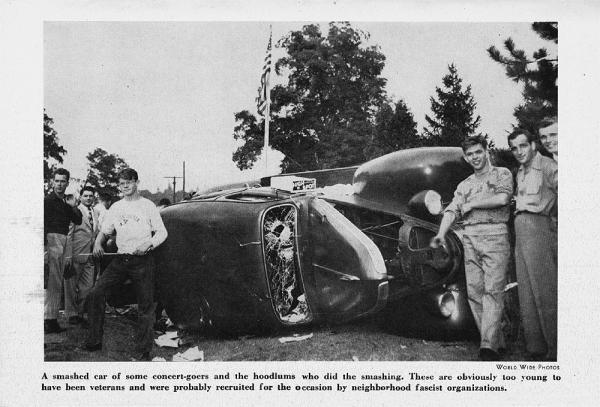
x,y
51,327
488,355
93,347
142,357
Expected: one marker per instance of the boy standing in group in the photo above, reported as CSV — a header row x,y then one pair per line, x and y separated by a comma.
x,y
59,212
140,230
536,244
80,243
482,201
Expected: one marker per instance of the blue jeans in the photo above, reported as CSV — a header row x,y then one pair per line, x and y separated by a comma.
x,y
140,269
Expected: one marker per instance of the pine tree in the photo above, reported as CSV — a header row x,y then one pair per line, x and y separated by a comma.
x,y
538,76
453,113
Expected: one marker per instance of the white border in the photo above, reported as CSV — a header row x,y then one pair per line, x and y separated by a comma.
x,y
21,353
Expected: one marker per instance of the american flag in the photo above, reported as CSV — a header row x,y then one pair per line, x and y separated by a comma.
x,y
263,98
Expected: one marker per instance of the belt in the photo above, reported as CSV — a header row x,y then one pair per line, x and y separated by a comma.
x,y
126,257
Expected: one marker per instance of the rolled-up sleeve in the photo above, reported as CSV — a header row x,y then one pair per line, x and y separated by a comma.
x,y
457,202
505,182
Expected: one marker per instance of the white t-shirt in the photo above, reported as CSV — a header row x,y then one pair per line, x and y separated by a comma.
x,y
101,212
134,222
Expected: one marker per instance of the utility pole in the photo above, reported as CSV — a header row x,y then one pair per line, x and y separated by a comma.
x,y
174,185
184,179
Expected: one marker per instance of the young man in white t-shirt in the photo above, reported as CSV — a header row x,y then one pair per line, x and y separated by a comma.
x,y
140,230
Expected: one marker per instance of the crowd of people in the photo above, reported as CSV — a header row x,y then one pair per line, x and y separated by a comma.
x,y
76,234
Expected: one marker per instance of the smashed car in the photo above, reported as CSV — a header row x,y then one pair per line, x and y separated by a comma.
x,y
255,259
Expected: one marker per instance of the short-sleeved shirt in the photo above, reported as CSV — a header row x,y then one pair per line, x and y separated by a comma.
x,y
136,222
537,186
483,186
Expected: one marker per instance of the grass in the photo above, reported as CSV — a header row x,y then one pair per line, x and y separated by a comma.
x,y
364,340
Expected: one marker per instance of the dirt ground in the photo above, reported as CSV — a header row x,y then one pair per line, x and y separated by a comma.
x,y
364,340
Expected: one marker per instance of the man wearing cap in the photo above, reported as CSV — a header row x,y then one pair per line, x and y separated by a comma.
x,y
59,211
536,244
140,230
482,201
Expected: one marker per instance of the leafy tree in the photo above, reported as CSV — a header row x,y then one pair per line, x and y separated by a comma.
x,y
324,116
53,152
453,113
538,75
104,170
395,129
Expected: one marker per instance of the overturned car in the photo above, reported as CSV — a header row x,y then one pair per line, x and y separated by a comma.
x,y
261,258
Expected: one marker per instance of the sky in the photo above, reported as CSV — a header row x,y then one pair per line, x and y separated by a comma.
x,y
160,93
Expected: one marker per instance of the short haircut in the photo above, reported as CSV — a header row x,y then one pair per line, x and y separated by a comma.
x,y
61,171
128,174
165,202
473,141
88,188
547,121
518,131
104,196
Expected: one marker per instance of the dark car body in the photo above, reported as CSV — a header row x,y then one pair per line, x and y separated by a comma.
x,y
256,259
243,260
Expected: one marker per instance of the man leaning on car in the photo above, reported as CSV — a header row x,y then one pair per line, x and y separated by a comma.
x,y
482,200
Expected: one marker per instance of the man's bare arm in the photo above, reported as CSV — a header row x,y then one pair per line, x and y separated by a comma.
x,y
98,244
445,225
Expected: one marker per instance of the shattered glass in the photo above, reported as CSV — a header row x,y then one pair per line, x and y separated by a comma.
x,y
285,285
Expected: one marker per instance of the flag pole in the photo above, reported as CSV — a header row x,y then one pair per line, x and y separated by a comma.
x,y
268,108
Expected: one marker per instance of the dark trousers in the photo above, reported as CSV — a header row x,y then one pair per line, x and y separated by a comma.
x,y
140,269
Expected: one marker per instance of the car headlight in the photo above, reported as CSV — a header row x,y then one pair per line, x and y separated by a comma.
x,y
433,202
428,200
